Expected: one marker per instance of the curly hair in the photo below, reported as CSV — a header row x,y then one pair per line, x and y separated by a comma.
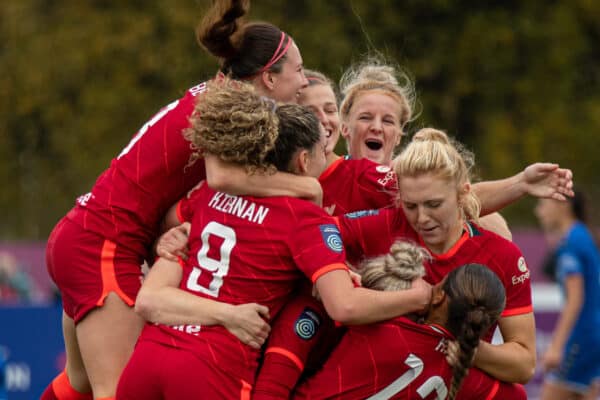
x,y
395,270
431,150
476,298
233,122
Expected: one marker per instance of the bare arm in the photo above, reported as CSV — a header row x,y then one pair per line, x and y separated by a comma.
x,y
160,300
514,360
233,179
574,300
496,223
356,305
544,180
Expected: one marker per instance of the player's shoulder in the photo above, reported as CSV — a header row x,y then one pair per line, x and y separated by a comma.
x,y
303,208
422,329
492,241
501,255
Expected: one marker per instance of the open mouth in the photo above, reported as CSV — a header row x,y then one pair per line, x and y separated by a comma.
x,y
374,144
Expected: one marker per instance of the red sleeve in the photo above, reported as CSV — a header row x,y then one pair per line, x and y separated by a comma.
x,y
516,277
299,327
316,245
183,211
478,385
371,233
512,391
377,183
185,206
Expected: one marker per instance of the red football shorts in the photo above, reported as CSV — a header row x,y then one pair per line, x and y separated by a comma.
x,y
86,268
156,371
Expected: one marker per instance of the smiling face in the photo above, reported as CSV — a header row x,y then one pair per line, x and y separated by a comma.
x,y
285,85
372,128
321,100
431,205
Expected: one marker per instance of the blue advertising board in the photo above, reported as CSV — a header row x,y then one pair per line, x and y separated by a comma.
x,y
31,341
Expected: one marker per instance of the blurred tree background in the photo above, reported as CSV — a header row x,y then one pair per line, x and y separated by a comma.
x,y
518,82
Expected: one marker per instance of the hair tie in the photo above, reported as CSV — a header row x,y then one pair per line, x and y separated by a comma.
x,y
279,52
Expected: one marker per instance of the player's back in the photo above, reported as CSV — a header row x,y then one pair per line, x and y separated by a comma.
x,y
149,175
245,249
255,249
396,359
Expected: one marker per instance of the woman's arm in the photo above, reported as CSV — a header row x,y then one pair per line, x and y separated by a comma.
x,y
544,180
233,179
496,223
514,360
352,305
574,291
160,300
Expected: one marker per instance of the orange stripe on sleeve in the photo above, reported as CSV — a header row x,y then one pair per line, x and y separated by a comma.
x,y
328,268
63,390
494,390
517,311
245,391
287,354
178,212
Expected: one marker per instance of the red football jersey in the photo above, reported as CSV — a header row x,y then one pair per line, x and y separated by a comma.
x,y
245,249
300,340
353,185
150,174
396,359
372,232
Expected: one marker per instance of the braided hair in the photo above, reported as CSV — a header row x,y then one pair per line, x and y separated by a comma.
x,y
476,298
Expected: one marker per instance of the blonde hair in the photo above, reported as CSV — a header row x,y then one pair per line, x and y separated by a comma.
x,y
395,270
374,75
432,151
233,122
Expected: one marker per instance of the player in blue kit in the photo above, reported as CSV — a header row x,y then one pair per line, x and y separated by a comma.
x,y
573,358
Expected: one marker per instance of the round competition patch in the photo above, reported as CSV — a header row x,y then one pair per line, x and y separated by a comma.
x,y
522,265
331,237
307,324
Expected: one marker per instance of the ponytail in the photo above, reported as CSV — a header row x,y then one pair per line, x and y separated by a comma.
x,y
476,298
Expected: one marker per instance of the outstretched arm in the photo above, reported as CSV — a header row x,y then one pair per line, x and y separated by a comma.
x,y
233,179
160,300
544,180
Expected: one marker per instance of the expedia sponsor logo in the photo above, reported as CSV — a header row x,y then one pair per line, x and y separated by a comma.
x,y
331,237
390,176
307,324
516,280
521,266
